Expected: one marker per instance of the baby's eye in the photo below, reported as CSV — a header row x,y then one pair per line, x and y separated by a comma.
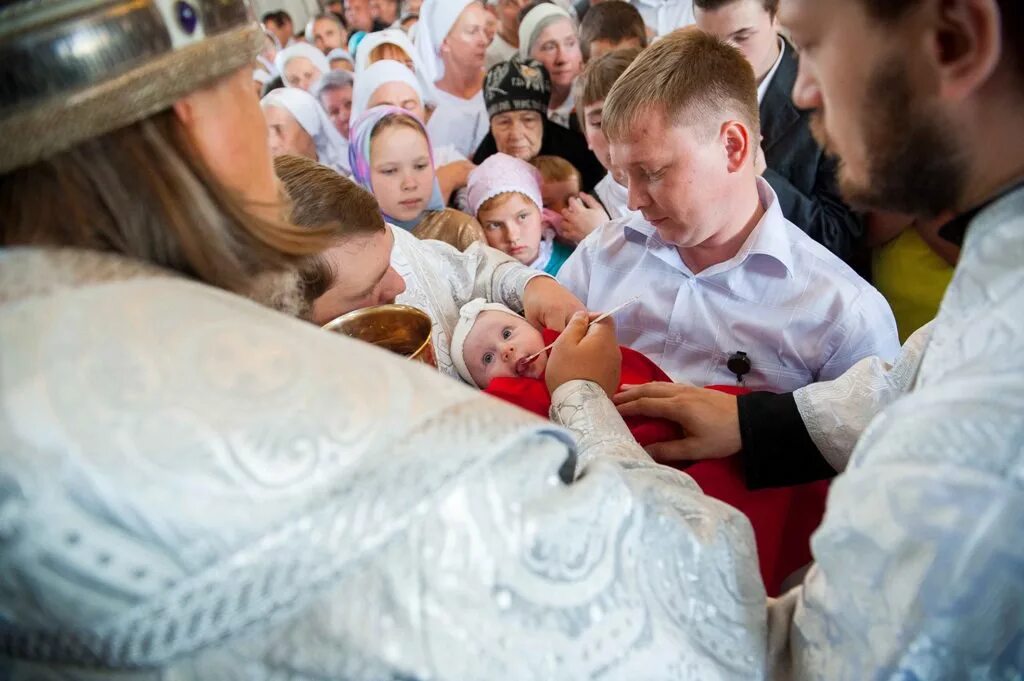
x,y
488,358
506,334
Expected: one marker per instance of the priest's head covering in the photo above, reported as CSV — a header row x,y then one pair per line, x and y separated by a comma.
x,y
376,75
361,138
72,71
468,315
331,147
437,17
535,21
517,85
315,56
503,174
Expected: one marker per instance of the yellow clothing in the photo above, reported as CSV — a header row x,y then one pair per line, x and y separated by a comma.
x,y
913,278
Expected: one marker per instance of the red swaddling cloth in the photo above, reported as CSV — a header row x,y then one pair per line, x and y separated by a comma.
x,y
782,518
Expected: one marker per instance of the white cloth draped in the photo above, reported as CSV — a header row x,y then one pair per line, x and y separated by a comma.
x,y
377,74
194,487
331,147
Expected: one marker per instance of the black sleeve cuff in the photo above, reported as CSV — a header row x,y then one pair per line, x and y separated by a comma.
x,y
777,449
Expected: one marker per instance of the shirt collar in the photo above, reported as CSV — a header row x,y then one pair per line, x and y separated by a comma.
x,y
770,237
762,88
955,230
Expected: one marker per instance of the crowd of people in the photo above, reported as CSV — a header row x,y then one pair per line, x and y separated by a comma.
x,y
791,450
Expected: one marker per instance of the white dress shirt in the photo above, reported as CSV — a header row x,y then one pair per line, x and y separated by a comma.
x,y
665,16
799,312
613,196
763,86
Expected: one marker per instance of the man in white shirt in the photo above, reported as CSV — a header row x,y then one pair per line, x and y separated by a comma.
x,y
730,290
801,173
665,16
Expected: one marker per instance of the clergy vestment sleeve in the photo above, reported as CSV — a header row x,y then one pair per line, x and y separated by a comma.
x,y
777,450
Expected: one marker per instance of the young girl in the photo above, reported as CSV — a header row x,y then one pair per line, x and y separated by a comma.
x,y
391,157
505,196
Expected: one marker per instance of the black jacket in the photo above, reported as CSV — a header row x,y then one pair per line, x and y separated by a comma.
x,y
558,141
799,171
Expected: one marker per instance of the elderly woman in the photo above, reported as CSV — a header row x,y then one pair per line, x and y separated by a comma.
x,y
517,95
451,44
549,34
391,83
335,94
301,66
298,125
391,156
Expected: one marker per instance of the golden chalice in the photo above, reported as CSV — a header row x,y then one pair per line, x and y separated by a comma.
x,y
401,329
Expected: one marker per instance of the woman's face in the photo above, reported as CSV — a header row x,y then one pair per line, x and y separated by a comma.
x,y
400,172
337,102
225,123
397,93
286,135
300,73
558,48
518,133
513,226
466,44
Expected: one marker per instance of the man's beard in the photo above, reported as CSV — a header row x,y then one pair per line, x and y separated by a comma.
x,y
914,164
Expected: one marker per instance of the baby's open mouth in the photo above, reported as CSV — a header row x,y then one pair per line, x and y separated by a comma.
x,y
523,365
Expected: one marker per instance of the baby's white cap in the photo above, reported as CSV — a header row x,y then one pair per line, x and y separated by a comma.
x,y
467,318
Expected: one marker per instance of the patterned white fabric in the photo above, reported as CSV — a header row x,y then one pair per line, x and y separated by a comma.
x,y
838,412
799,313
194,487
197,488
440,279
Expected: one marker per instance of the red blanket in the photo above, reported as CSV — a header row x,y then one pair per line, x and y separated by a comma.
x,y
783,518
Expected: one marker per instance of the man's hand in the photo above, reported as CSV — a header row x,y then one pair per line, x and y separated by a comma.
x,y
710,419
583,216
585,354
548,305
452,177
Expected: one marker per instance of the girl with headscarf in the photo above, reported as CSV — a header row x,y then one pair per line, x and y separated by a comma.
x,y
391,156
298,125
548,33
391,43
391,83
451,43
301,66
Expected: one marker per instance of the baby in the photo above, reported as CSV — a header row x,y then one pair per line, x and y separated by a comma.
x,y
491,347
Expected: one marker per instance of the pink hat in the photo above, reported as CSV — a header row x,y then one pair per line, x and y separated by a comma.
x,y
500,174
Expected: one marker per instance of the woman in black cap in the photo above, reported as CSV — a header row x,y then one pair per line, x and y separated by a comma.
x,y
517,94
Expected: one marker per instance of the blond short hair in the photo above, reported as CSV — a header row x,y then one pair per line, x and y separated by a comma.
x,y
690,77
556,169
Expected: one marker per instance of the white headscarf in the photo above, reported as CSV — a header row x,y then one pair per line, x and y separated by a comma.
x,y
331,147
301,50
340,53
389,36
437,17
534,22
376,75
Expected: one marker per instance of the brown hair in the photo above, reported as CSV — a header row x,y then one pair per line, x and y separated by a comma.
x,y
770,6
144,192
394,120
596,81
388,51
689,76
615,22
324,200
556,169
